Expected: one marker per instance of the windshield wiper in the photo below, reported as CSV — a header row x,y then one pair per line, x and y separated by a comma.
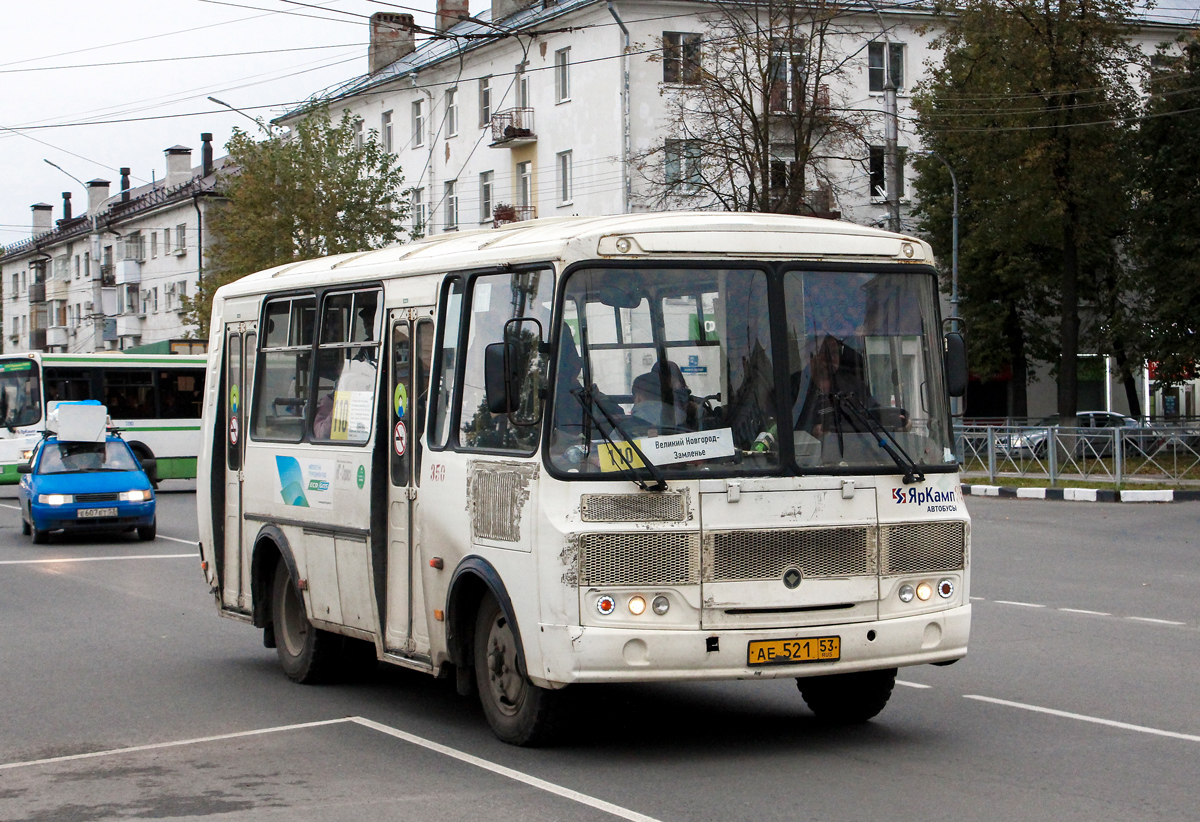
x,y
588,401
858,413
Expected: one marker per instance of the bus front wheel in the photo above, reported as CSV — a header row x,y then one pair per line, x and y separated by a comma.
x,y
519,712
306,653
848,699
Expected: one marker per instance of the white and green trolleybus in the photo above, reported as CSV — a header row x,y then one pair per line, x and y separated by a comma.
x,y
677,446
154,399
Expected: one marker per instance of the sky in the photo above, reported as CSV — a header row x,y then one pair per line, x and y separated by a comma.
x,y
60,102
57,103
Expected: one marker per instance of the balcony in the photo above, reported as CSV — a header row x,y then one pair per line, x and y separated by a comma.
x,y
37,292
512,128
128,272
56,335
505,214
129,325
108,277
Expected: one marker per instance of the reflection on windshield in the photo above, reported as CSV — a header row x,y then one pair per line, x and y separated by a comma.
x,y
681,361
20,393
76,457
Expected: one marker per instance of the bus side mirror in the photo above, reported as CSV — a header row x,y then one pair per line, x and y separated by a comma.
x,y
513,373
498,378
956,364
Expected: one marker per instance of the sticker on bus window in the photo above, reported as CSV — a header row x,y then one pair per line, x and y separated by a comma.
x,y
400,400
234,396
669,450
351,415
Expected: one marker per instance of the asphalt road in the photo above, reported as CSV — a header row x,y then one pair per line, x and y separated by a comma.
x,y
1080,700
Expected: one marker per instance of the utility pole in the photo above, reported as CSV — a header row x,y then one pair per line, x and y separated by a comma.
x,y
891,159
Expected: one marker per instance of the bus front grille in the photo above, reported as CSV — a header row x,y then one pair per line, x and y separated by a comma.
x,y
633,508
922,548
646,558
734,556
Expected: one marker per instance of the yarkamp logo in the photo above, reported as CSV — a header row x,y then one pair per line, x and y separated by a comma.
x,y
920,496
318,485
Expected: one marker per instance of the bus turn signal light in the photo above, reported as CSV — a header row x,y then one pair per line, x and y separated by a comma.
x,y
437,563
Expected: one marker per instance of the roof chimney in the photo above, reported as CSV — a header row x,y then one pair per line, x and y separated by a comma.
x,y
392,37
179,166
507,8
43,218
449,12
206,158
66,206
97,194
125,185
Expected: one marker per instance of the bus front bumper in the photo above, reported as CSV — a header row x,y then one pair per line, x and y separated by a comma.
x,y
574,654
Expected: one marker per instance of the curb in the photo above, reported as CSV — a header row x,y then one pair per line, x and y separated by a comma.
x,y
1081,494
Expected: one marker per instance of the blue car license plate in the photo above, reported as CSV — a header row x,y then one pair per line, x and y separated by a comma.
x,y
84,513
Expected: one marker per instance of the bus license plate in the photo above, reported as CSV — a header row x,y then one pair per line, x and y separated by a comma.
x,y
96,512
791,651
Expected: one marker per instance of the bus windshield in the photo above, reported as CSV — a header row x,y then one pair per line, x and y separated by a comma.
x,y
743,370
20,393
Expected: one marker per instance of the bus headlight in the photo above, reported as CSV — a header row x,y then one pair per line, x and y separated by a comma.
x,y
55,499
135,496
906,593
661,605
924,591
637,606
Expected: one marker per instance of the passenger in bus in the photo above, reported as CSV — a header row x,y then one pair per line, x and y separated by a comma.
x,y
662,400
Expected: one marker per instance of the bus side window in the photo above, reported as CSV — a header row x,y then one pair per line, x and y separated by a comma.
x,y
281,394
347,367
447,361
421,387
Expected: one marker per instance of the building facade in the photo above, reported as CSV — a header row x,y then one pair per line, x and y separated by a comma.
x,y
113,278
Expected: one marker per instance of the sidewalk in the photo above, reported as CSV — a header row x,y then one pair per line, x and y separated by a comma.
x,y
1082,494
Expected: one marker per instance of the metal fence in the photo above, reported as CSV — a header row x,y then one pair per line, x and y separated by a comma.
x,y
1053,452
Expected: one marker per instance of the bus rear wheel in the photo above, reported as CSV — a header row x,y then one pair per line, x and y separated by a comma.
x,y
848,699
519,712
306,653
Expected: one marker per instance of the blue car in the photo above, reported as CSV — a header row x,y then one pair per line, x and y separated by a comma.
x,y
85,486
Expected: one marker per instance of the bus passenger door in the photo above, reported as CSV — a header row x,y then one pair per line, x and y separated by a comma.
x,y
240,346
401,491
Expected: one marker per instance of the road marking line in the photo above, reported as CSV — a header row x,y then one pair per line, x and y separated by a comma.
x,y
1022,604
1084,718
92,559
6,505
912,684
1082,611
159,745
177,539
533,781
1156,621
976,597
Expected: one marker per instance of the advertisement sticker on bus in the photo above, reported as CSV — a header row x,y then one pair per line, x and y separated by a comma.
x,y
304,484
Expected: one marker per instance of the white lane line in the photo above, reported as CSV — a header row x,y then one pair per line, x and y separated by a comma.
x,y
177,743
912,684
1022,604
533,781
6,505
191,542
976,597
1082,611
93,559
1156,621
1112,723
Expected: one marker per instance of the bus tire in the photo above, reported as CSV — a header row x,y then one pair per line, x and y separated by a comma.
x,y
519,712
306,653
848,699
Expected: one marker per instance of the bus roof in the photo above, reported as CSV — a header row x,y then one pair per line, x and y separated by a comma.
x,y
658,235
114,359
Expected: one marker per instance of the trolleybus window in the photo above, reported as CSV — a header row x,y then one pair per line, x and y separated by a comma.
x,y
496,299
347,367
20,396
282,391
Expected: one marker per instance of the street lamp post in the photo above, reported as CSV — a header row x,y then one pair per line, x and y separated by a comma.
x,y
254,120
953,240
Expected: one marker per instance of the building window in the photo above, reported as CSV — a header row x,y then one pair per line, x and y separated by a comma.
x,y
485,197
564,177
418,123
418,212
15,289
682,164
451,199
681,58
77,266
562,75
877,170
181,238
485,101
875,62
87,265
358,133
525,184
787,75
153,244
451,112
385,130
522,87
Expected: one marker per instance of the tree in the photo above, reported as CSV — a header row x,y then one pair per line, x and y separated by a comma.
x,y
1166,239
752,122
1031,106
319,189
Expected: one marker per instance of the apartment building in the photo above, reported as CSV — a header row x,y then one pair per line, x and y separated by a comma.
x,y
114,277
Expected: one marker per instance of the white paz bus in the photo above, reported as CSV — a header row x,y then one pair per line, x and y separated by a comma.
x,y
620,449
